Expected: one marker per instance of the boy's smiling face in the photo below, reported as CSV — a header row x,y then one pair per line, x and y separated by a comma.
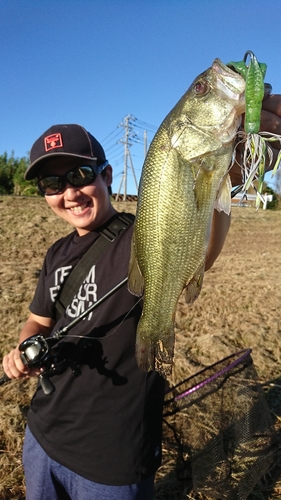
x,y
85,208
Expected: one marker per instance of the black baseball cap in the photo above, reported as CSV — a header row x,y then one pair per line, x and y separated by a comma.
x,y
72,141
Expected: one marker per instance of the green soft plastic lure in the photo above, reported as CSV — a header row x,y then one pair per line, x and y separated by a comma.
x,y
253,74
256,143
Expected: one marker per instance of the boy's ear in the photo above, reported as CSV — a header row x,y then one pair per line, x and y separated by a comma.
x,y
108,175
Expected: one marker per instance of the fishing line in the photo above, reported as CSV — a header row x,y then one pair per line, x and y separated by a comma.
x,y
110,334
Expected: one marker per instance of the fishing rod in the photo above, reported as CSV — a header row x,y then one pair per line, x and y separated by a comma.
x,y
65,329
36,351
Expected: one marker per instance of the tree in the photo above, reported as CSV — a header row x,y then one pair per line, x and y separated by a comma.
x,y
12,176
7,170
21,186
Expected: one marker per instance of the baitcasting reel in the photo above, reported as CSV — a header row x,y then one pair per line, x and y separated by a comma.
x,y
39,352
35,351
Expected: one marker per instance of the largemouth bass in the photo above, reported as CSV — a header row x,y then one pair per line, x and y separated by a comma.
x,y
185,175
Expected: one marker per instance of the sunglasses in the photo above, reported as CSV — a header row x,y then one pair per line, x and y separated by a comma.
x,y
76,177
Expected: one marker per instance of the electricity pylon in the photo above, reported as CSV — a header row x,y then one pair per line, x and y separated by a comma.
x,y
127,141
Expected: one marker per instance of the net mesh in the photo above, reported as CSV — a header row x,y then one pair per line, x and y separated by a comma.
x,y
223,428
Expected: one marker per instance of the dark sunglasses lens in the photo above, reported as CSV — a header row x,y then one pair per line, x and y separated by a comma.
x,y
81,176
50,185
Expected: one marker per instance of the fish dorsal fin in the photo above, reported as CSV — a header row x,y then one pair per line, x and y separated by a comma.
x,y
223,201
135,278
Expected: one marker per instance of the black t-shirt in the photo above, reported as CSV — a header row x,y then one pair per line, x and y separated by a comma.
x,y
105,423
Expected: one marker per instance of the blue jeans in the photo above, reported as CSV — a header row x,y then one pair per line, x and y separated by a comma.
x,y
48,480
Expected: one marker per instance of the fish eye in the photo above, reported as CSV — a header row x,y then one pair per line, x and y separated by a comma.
x,y
201,87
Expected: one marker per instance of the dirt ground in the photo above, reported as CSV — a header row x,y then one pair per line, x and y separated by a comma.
x,y
239,308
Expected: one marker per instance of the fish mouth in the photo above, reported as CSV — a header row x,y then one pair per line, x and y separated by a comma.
x,y
230,85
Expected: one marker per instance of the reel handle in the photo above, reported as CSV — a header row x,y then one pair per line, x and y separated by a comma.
x,y
46,384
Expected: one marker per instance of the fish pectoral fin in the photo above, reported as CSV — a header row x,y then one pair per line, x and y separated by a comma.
x,y
223,201
135,278
193,288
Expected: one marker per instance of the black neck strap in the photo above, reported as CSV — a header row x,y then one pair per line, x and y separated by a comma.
x,y
108,233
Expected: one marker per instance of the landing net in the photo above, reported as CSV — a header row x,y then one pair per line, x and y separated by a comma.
x,y
223,428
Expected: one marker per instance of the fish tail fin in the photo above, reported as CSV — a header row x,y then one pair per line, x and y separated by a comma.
x,y
159,356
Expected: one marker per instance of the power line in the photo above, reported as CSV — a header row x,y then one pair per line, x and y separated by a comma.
x,y
109,135
145,126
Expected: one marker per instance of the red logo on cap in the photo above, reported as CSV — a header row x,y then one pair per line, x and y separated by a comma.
x,y
53,141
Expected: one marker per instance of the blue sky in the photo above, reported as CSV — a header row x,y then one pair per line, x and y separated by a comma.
x,y
94,62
